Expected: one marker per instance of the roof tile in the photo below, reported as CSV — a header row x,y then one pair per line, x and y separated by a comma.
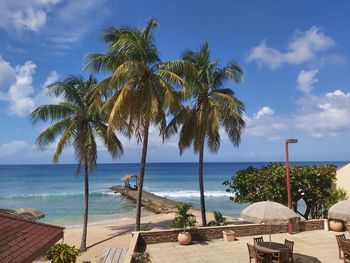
x,y
23,241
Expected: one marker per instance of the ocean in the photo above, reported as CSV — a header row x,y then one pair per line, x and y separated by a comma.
x,y
57,191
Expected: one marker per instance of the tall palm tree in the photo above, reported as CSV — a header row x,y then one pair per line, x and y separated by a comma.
x,y
77,121
211,107
140,86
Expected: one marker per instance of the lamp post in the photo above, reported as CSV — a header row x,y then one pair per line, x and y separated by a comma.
x,y
289,189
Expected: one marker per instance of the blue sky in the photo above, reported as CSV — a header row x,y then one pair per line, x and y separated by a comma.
x,y
294,54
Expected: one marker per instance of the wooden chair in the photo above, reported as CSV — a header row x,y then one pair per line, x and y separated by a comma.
x,y
339,239
258,239
290,245
346,250
252,253
282,256
259,256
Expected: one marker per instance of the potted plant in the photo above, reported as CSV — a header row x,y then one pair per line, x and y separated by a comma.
x,y
184,219
62,253
336,225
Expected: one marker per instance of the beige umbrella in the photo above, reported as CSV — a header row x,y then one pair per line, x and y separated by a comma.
x,y
340,210
30,213
270,213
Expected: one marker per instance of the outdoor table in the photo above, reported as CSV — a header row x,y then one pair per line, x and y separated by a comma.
x,y
270,248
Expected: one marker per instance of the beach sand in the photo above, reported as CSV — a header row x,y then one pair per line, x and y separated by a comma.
x,y
116,234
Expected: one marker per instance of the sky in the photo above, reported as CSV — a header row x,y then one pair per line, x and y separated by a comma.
x,y
294,55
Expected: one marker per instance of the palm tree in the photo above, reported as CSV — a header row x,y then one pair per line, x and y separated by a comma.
x,y
77,121
140,86
211,107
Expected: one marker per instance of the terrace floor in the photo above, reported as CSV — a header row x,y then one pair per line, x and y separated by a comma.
x,y
309,247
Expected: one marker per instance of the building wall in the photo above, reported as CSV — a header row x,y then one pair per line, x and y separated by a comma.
x,y
343,178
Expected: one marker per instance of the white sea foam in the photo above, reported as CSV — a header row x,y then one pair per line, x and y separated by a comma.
x,y
111,193
50,195
189,194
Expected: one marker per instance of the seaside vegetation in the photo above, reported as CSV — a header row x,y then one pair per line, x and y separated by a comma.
x,y
77,120
337,195
208,107
219,219
310,183
141,92
62,253
140,87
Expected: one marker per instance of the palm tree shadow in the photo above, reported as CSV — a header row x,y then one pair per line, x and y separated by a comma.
x,y
127,229
301,258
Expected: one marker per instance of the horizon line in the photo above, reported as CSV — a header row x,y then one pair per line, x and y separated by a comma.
x,y
189,162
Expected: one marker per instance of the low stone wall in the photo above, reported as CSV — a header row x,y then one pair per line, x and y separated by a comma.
x,y
207,233
309,225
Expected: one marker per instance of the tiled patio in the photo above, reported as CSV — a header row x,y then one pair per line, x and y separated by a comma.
x,y
310,247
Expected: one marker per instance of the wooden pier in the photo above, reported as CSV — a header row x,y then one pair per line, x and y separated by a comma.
x,y
152,202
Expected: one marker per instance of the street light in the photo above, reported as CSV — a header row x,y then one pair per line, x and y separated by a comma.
x,y
289,190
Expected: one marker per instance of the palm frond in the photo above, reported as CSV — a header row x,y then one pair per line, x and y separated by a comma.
x,y
49,135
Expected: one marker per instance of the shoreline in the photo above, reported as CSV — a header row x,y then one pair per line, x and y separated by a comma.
x,y
117,234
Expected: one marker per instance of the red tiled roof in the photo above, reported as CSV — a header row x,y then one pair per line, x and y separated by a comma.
x,y
22,241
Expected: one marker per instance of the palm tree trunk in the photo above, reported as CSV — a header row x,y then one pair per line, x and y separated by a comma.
x,y
142,175
201,184
86,208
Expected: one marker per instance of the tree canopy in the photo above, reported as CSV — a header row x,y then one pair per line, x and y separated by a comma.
x,y
310,183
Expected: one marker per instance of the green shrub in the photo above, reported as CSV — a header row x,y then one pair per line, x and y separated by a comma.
x,y
62,253
183,218
336,196
309,183
146,227
219,220
142,257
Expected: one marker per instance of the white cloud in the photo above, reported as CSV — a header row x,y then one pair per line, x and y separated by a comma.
x,y
264,111
20,93
25,15
78,18
13,148
324,115
7,74
302,48
63,22
306,79
43,97
264,123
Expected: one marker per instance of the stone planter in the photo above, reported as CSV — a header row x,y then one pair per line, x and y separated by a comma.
x,y
229,235
184,238
336,225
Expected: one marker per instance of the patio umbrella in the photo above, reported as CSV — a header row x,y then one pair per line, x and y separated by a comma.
x,y
270,213
340,210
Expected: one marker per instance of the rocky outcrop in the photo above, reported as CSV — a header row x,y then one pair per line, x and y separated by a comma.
x,y
152,202
25,213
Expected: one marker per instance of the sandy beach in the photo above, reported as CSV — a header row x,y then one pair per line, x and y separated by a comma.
x,y
116,234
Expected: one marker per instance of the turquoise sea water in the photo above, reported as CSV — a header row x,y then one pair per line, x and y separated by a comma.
x,y
58,192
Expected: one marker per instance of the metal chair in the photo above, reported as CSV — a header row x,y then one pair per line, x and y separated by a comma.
x,y
346,250
282,256
340,248
290,245
258,239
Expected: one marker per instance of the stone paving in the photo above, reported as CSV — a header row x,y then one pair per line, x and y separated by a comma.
x,y
310,247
